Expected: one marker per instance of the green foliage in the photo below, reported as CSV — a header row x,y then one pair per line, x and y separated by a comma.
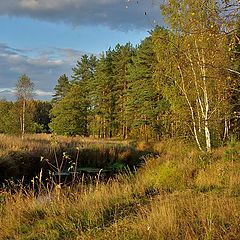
x,y
36,117
232,151
104,101
145,97
175,83
61,88
181,82
69,114
41,116
83,75
5,108
122,61
84,69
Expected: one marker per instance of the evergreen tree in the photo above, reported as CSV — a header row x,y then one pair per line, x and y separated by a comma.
x,y
5,108
104,96
11,120
68,114
61,88
84,69
83,75
122,59
41,116
145,101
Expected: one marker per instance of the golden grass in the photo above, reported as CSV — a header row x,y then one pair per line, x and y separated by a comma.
x,y
180,194
22,156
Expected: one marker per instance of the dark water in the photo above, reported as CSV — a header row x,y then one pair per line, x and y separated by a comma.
x,y
92,163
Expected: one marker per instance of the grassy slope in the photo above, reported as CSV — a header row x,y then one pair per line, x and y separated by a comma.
x,y
181,194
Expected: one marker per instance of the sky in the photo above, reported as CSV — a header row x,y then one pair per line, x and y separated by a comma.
x,y
45,38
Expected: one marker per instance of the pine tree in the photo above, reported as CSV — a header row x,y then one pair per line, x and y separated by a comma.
x,y
104,97
68,114
61,88
41,116
144,98
83,75
122,59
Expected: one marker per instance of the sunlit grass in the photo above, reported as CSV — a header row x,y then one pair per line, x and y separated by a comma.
x,y
180,193
22,156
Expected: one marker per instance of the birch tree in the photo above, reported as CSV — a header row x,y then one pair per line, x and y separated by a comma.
x,y
24,92
199,62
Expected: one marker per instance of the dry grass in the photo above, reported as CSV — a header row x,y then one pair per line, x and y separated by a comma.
x,y
22,157
180,194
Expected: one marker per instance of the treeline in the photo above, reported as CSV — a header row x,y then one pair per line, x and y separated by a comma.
x,y
36,117
115,95
181,81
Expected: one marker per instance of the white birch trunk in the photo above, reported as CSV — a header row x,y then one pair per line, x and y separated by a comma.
x,y
207,137
23,117
191,110
206,102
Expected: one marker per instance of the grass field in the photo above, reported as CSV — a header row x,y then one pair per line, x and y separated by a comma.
x,y
23,157
177,193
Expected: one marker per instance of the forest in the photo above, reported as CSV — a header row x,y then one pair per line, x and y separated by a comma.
x,y
181,81
157,124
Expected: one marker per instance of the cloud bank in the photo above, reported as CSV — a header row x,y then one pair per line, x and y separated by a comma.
x,y
43,70
117,14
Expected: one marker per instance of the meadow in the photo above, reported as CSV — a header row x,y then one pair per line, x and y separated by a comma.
x,y
28,156
169,191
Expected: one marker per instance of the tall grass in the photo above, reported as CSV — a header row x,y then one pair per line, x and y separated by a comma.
x,y
20,157
179,194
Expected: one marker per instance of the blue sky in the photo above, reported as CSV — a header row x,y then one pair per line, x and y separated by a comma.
x,y
44,38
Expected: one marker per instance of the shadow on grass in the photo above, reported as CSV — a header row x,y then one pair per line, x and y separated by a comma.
x,y
24,165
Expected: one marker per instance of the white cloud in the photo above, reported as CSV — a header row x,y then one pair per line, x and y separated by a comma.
x,y
43,93
7,90
44,69
10,94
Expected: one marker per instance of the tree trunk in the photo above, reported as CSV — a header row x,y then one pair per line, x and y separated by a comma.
x,y
207,136
23,117
190,108
226,129
206,102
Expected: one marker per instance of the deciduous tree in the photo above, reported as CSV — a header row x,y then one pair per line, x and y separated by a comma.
x,y
199,63
24,92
